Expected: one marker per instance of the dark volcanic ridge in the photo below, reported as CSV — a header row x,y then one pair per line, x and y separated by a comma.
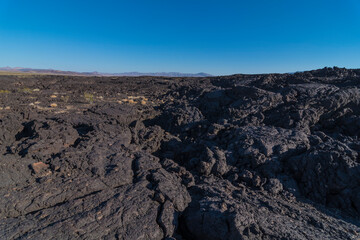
x,y
129,74
272,156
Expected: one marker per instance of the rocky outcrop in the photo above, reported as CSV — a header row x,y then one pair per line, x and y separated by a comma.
x,y
236,157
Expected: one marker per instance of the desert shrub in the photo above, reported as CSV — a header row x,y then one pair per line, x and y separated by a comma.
x,y
65,98
25,90
89,97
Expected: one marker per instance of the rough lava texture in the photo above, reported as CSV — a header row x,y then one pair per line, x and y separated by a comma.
x,y
273,156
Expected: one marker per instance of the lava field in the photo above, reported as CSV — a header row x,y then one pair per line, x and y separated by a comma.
x,y
271,156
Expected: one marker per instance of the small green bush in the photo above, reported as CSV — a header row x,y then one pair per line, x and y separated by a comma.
x,y
89,97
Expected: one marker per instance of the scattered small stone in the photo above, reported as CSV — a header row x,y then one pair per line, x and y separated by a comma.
x,y
39,167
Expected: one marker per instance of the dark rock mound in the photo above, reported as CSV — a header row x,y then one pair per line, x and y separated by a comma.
x,y
271,156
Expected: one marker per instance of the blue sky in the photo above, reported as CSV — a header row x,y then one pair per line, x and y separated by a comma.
x,y
217,37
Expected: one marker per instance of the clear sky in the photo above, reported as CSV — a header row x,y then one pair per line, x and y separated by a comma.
x,y
217,37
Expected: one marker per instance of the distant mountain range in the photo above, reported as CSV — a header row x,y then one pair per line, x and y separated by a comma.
x,y
131,74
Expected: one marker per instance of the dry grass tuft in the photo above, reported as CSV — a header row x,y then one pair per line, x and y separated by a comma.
x,y
25,90
89,97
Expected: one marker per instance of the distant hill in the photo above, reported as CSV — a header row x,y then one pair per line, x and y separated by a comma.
x,y
132,74
163,74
